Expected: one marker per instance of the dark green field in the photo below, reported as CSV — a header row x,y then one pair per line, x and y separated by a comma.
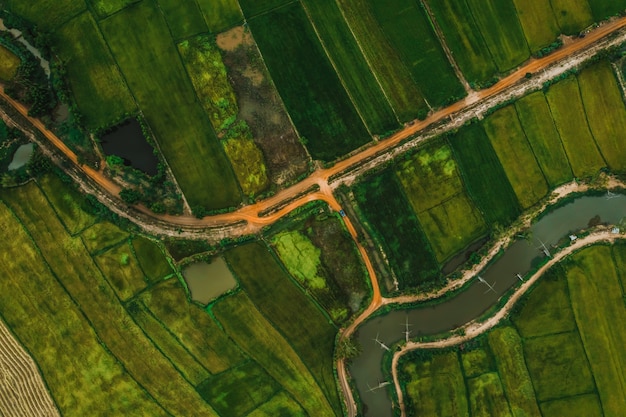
x,y
319,106
602,9
252,8
47,14
183,18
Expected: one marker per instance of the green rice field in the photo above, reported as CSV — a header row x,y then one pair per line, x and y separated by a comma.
x,y
183,18
538,22
572,15
48,14
220,15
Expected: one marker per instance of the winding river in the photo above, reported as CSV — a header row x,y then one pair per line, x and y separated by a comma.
x,y
474,300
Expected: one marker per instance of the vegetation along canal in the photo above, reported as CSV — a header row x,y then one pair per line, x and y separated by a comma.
x,y
472,302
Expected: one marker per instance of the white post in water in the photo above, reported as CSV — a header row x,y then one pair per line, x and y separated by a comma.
x,y
407,332
481,279
382,345
519,276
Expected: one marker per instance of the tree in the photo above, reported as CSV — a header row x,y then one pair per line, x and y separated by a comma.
x,y
347,348
130,196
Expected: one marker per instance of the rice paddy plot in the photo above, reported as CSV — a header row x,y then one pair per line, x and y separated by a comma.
x,y
572,15
148,59
605,111
151,259
102,236
601,9
587,405
121,269
517,158
538,22
46,14
183,18
281,404
486,396
395,79
571,122
483,175
536,119
476,362
352,67
104,8
502,32
412,35
464,39
220,15
8,64
314,97
66,203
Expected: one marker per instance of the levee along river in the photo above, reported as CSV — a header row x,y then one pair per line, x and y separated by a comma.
x,y
366,369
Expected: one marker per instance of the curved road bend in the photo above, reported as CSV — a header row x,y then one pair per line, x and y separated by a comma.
x,y
250,213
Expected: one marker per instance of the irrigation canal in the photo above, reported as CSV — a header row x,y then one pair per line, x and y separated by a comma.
x,y
471,302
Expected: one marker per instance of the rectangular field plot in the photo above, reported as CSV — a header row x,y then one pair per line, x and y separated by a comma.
x,y
580,406
262,342
483,175
353,69
536,119
436,387
36,307
486,396
315,99
121,269
183,18
598,306
571,122
393,223
410,32
601,9
399,87
538,22
46,14
513,372
220,15
66,203
517,158
464,39
501,29
605,111
558,366
572,15
149,61
101,236
279,299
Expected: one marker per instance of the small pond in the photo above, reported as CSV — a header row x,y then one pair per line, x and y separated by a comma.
x,y
128,142
21,156
207,281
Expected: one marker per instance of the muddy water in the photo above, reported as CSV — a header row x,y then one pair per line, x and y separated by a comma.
x,y
208,281
21,156
475,300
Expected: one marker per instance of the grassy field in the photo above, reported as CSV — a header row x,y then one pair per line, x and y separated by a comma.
x,y
536,119
104,8
484,176
393,223
314,97
248,162
102,236
486,396
122,271
183,132
439,378
464,39
605,111
301,258
477,361
571,122
364,89
505,39
258,339
517,158
276,296
538,22
281,404
66,203
220,15
603,8
513,372
580,406
400,89
410,32
550,357
46,14
8,64
75,366
183,18
103,81
572,15
151,259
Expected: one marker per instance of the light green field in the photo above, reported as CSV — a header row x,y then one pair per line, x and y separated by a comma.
x,y
154,72
434,381
36,307
572,15
598,306
65,201
121,269
580,406
183,18
301,258
220,15
8,64
104,8
558,366
258,339
606,113
513,373
282,404
502,32
571,122
46,14
538,22
536,119
151,259
102,236
487,397
476,362
401,91
248,163
516,156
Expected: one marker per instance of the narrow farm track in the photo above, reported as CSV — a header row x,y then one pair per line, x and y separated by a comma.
x,y
22,390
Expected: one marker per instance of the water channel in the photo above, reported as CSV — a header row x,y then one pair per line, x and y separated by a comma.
x,y
474,300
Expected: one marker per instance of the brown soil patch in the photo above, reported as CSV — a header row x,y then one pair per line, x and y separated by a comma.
x,y
254,75
231,39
